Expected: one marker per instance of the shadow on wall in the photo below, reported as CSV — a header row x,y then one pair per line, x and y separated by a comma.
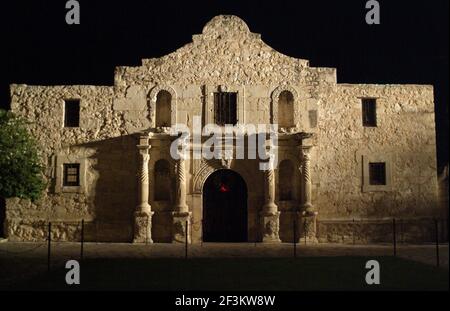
x,y
112,184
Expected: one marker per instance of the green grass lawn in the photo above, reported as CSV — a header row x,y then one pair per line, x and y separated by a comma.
x,y
308,273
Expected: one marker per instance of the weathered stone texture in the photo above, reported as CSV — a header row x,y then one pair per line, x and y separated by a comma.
x,y
228,56
405,134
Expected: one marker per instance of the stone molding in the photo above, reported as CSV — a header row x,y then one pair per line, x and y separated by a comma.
x,y
208,96
275,95
153,95
72,158
376,157
202,170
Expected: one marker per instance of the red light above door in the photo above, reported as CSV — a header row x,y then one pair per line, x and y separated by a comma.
x,y
224,188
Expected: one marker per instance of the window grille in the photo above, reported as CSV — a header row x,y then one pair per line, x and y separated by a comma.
x,y
377,173
71,174
369,112
225,108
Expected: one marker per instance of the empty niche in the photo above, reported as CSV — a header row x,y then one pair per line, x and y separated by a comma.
x,y
286,109
163,109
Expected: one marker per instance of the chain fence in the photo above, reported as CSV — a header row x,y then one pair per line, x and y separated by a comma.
x,y
97,232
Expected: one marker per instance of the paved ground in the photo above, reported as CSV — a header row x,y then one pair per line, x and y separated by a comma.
x,y
23,260
423,253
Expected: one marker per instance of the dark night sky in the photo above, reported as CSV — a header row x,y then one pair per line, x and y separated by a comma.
x,y
410,46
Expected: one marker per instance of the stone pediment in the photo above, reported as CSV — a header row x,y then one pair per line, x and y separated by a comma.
x,y
226,52
227,26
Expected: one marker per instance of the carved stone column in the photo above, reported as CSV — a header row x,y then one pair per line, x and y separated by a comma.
x,y
270,216
180,198
306,205
181,214
308,230
143,214
308,214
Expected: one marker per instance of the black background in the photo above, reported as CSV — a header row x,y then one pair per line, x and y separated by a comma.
x,y
410,45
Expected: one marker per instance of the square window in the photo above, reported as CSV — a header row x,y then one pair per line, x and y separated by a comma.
x,y
71,174
369,112
72,113
377,173
225,104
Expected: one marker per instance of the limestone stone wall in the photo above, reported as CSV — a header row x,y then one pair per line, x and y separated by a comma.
x,y
103,148
443,194
228,57
404,137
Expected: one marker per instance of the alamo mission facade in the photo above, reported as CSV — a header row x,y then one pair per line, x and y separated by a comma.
x,y
350,156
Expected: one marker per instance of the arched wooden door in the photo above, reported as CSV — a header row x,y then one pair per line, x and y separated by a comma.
x,y
225,207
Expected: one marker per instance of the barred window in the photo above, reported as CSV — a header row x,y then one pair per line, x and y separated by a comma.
x,y
377,173
71,174
225,108
369,112
72,113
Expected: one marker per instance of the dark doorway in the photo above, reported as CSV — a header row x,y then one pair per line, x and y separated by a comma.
x,y
225,207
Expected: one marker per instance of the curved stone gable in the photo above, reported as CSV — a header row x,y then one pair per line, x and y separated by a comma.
x,y
226,25
226,52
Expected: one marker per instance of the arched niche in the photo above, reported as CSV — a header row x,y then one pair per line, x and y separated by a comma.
x,y
163,106
285,107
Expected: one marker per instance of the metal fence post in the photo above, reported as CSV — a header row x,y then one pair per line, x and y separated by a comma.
x,y
402,238
294,225
191,228
255,238
257,230
186,240
201,243
82,240
394,236
304,228
353,231
436,230
446,225
49,241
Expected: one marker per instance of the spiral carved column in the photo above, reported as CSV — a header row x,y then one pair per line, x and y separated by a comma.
x,y
269,191
143,214
270,216
307,211
306,180
180,200
181,215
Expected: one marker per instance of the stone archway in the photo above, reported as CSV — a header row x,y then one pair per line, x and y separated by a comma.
x,y
225,215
